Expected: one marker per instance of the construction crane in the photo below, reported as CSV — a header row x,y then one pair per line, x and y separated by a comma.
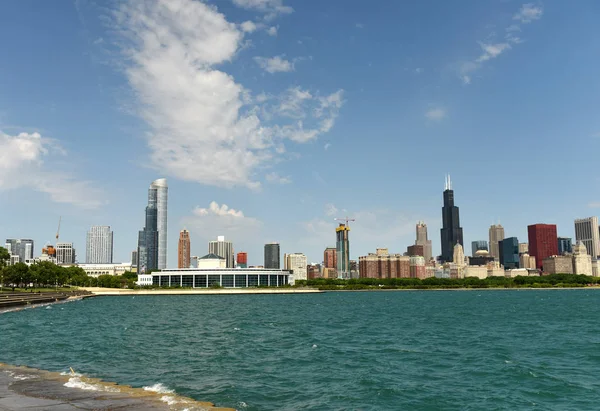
x,y
58,229
346,220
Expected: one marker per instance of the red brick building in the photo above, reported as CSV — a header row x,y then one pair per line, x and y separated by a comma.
x,y
384,266
413,250
543,242
330,257
242,260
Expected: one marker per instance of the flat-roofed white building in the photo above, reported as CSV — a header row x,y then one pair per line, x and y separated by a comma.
x,y
224,277
96,270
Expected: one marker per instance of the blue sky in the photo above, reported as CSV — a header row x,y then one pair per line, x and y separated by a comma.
x,y
271,117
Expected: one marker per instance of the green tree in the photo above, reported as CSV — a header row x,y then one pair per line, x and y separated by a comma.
x,y
4,257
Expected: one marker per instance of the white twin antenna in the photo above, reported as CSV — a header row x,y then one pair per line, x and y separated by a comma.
x,y
448,184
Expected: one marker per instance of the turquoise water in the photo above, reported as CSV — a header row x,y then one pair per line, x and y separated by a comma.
x,y
421,350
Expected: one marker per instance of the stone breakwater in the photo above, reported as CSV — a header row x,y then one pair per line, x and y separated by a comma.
x,y
33,389
11,300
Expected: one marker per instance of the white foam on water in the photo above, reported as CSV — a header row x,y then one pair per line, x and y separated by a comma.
x,y
159,388
243,404
236,329
314,345
19,377
49,307
75,382
169,399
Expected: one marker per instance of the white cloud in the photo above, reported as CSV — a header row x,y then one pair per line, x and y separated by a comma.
x,y
513,28
23,163
491,51
466,79
528,13
359,26
436,114
275,64
418,70
276,178
272,31
208,223
203,125
248,26
326,146
271,8
330,209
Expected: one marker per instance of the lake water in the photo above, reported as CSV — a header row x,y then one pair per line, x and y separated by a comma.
x,y
415,350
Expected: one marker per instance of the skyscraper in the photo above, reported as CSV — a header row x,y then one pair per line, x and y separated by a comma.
x,y
586,231
543,242
330,258
496,234
65,253
478,245
272,256
242,260
148,237
451,232
223,249
296,262
162,193
423,240
343,250
565,245
99,245
183,251
23,248
510,252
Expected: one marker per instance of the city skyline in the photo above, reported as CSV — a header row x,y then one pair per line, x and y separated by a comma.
x,y
359,105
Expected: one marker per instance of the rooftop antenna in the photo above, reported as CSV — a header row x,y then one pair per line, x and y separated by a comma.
x,y
58,229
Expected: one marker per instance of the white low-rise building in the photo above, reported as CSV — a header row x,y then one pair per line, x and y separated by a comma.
x,y
96,270
144,279
478,271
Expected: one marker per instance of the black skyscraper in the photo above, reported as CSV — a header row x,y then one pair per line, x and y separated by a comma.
x,y
451,231
148,238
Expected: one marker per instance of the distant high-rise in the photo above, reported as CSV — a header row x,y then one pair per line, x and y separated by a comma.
x,y
65,253
148,237
523,249
586,231
183,250
451,232
134,258
296,262
23,248
272,256
565,245
330,258
242,260
423,240
496,234
510,252
99,245
162,194
543,242
478,245
223,249
343,250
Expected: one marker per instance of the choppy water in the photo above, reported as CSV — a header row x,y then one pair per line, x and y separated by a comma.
x,y
422,350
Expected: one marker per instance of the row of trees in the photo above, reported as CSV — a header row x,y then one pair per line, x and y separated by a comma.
x,y
554,280
47,274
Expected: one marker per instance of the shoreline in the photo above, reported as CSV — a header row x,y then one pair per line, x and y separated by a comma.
x,y
23,387
465,289
97,291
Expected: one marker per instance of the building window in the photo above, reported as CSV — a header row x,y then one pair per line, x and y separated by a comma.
x,y
273,280
214,279
227,281
264,280
186,281
164,280
252,280
240,280
175,281
200,281
155,280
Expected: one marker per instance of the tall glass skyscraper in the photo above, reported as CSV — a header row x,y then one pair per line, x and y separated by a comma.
x,y
162,194
343,250
451,232
272,256
148,238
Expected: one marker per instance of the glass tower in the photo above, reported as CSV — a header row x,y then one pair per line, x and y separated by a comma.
x,y
451,232
162,194
148,238
343,250
272,256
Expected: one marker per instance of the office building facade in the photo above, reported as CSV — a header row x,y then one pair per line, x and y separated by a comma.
x,y
330,258
451,232
99,245
510,253
65,253
586,231
296,263
565,245
162,195
423,240
242,260
543,242
20,247
272,256
183,249
496,234
148,238
223,249
342,235
478,245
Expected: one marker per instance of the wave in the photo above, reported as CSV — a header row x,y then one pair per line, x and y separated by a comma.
x,y
55,387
